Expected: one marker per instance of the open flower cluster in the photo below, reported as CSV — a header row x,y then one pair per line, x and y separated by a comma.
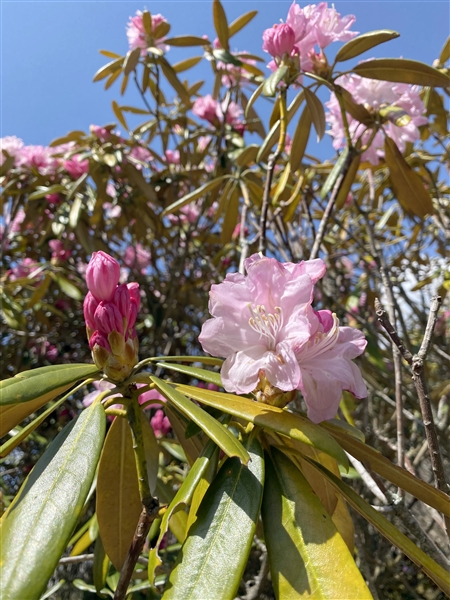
x,y
274,342
304,30
407,107
110,312
214,112
138,38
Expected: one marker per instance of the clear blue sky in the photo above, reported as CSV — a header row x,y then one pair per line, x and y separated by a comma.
x,y
49,50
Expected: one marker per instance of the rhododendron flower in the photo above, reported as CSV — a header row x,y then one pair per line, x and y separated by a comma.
x,y
236,75
137,256
27,267
110,312
374,95
212,111
12,145
58,250
101,133
37,157
265,327
311,26
76,166
173,157
137,36
140,154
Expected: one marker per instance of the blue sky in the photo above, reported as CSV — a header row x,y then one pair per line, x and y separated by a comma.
x,y
49,50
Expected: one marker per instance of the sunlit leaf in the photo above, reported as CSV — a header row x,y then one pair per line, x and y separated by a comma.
x,y
271,83
241,22
38,524
118,503
364,42
186,40
220,23
172,78
316,112
402,70
300,140
195,195
186,64
213,557
318,563
131,60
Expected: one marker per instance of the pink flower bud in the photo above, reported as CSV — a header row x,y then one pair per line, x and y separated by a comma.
x,y
89,306
160,423
133,288
107,318
132,315
122,300
102,275
279,40
98,339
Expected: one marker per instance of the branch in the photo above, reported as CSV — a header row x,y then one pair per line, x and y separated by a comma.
x,y
416,363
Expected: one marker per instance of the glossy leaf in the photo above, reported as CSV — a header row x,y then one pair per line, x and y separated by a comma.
x,y
300,140
206,360
100,567
241,22
220,24
151,450
38,524
231,216
271,83
252,99
396,475
308,557
271,418
213,429
439,575
337,169
365,42
247,156
316,112
357,111
37,383
213,557
131,60
108,69
118,502
12,414
191,445
186,64
406,184
198,193
186,40
402,70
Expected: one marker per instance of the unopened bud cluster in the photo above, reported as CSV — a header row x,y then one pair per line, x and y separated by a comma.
x,y
110,312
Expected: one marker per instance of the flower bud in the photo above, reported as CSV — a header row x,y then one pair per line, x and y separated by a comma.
x,y
122,300
133,288
89,307
279,40
102,275
107,318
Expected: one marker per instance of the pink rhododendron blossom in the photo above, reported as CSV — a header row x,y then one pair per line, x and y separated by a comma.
x,y
39,158
265,327
160,423
212,111
76,166
12,145
51,352
173,157
101,133
27,267
236,75
137,36
375,95
279,40
143,155
137,257
203,142
313,26
58,250
54,198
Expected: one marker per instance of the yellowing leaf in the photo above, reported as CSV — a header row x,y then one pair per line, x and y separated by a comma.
x,y
118,502
406,184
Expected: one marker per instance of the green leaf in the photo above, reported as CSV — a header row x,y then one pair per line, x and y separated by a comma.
x,y
241,22
206,360
308,557
187,40
445,52
118,503
406,184
42,191
271,83
38,524
226,57
316,112
108,69
100,567
182,498
439,575
213,557
247,155
220,24
198,193
402,70
347,182
269,417
118,112
396,475
364,42
67,287
334,173
213,429
36,383
300,140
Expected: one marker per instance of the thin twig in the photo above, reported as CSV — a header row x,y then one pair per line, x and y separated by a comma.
x,y
331,202
416,363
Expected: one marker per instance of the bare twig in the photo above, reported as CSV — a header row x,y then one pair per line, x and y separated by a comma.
x,y
416,363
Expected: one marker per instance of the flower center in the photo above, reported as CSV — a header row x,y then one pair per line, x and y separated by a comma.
x,y
266,324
